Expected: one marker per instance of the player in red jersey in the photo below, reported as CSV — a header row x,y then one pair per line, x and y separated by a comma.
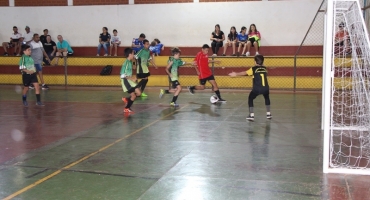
x,y
201,63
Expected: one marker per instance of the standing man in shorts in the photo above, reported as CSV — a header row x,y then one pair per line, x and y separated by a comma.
x,y
205,74
37,54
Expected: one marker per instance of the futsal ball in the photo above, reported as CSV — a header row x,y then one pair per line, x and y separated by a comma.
x,y
213,99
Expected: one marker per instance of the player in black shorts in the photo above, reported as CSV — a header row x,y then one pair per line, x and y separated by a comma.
x,y
260,85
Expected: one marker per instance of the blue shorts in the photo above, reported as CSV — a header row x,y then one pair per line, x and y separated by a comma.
x,y
38,67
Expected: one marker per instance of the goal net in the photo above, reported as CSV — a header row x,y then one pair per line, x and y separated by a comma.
x,y
346,91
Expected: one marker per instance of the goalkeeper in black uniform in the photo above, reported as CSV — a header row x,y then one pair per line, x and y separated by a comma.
x,y
260,85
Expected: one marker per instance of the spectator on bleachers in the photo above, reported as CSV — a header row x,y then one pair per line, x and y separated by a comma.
x,y
137,43
242,40
231,40
342,40
37,54
156,47
104,41
43,37
15,41
28,36
115,42
254,38
217,38
50,49
63,49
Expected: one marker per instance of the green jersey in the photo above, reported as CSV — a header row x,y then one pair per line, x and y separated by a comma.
x,y
143,57
127,68
27,63
176,63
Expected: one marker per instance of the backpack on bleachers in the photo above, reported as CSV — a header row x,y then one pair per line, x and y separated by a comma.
x,y
107,70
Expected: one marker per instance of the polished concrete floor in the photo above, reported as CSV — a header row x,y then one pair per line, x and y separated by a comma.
x,y
82,146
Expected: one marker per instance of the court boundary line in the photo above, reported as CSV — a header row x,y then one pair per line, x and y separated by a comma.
x,y
38,182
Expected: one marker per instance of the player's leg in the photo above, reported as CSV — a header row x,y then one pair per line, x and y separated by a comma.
x,y
26,79
37,89
142,84
251,97
266,95
176,94
202,83
213,82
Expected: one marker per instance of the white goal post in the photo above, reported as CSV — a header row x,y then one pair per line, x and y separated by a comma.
x,y
346,90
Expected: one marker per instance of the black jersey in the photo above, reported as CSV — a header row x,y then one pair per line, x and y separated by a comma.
x,y
259,74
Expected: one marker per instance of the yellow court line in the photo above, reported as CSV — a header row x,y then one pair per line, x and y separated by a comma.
x,y
85,157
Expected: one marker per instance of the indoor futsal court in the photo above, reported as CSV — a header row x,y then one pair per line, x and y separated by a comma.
x,y
81,145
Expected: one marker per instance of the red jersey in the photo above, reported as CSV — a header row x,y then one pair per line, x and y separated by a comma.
x,y
202,64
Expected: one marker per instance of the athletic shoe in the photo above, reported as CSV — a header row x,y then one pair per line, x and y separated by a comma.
x,y
233,54
6,54
143,94
269,116
247,54
214,54
190,90
14,54
97,55
161,93
127,110
25,103
44,87
105,54
257,53
39,103
31,87
244,54
238,54
174,104
250,118
221,100
223,54
18,55
124,99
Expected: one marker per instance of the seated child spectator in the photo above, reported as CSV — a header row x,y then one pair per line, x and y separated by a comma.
x,y
104,41
231,40
242,40
137,43
254,38
15,41
115,42
156,47
342,40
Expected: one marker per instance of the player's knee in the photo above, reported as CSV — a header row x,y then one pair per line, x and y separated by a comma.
x,y
179,87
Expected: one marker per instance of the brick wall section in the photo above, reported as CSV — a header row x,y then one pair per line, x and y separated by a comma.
x,y
162,1
99,2
40,2
4,2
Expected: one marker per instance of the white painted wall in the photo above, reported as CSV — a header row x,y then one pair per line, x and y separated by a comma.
x,y
281,23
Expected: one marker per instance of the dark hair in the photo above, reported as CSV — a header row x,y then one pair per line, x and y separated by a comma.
x,y
250,30
35,34
156,39
114,30
25,47
49,36
175,50
259,59
46,30
233,35
14,27
105,28
145,41
341,24
205,46
219,28
128,51
153,43
243,28
142,35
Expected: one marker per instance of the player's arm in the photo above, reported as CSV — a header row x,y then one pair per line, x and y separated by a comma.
x,y
45,55
151,60
243,73
168,68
